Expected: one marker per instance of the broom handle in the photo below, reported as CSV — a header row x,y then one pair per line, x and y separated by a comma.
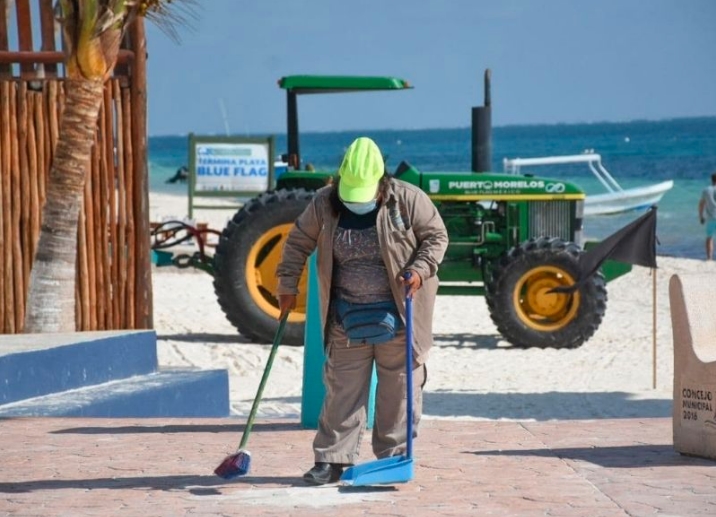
x,y
262,384
409,371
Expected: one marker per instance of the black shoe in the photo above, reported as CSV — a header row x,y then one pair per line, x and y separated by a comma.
x,y
323,473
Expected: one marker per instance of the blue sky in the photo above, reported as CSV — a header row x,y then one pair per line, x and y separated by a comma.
x,y
552,61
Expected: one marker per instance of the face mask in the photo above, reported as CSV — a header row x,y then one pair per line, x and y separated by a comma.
x,y
361,208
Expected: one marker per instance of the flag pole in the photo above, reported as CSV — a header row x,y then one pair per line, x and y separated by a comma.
x,y
653,327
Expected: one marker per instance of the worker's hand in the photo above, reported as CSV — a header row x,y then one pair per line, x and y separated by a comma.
x,y
702,220
286,303
412,280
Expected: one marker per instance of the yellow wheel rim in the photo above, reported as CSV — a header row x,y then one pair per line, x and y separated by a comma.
x,y
538,308
261,264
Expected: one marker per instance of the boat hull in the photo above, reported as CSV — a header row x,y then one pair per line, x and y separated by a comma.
x,y
627,200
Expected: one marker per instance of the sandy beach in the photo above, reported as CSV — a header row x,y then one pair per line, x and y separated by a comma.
x,y
472,372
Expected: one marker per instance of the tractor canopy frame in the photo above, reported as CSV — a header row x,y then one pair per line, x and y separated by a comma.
x,y
311,84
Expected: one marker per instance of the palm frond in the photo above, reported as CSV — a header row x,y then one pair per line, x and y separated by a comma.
x,y
169,15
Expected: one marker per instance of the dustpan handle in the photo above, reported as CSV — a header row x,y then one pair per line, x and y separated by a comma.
x,y
409,369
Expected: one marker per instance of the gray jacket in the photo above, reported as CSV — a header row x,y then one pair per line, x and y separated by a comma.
x,y
421,248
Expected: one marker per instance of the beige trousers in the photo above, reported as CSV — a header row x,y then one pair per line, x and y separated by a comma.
x,y
347,377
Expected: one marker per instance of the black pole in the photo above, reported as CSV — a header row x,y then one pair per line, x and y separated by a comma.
x,y
482,132
293,158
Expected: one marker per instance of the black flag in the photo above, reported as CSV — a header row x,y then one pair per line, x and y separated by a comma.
x,y
633,244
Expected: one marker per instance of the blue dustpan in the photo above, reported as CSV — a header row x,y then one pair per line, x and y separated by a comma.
x,y
386,471
395,469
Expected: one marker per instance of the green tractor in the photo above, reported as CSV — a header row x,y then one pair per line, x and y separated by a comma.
x,y
512,239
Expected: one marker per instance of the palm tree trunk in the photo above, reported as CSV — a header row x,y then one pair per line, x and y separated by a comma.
x,y
51,296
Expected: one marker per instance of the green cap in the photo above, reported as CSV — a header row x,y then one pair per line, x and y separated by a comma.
x,y
360,172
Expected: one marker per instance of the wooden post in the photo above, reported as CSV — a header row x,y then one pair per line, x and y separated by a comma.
x,y
53,125
7,117
123,199
47,28
143,280
24,187
91,247
129,306
653,328
24,35
42,157
102,252
16,261
34,143
98,238
109,177
5,68
4,171
81,284
113,219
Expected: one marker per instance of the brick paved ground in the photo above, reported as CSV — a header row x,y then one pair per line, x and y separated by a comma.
x,y
106,467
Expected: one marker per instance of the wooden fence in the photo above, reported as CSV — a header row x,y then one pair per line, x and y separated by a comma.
x,y
113,289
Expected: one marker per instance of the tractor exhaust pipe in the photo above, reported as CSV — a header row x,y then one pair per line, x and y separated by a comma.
x,y
482,132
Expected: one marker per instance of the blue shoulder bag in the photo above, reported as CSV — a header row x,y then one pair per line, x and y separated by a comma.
x,y
370,323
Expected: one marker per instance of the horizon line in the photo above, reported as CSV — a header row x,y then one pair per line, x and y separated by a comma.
x,y
450,128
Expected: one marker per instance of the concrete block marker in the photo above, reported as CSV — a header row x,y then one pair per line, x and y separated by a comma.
x,y
693,317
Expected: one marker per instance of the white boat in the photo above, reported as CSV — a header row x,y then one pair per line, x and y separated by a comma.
x,y
615,200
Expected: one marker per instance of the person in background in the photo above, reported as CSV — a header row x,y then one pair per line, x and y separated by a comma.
x,y
370,230
707,215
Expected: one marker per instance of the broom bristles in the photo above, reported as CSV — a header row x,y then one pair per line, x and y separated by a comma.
x,y
235,465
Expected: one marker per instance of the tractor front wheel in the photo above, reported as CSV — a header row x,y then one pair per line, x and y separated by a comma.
x,y
245,262
524,310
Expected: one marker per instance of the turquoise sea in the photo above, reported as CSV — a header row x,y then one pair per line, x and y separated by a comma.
x,y
635,153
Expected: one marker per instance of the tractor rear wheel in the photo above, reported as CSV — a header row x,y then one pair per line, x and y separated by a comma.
x,y
245,262
524,310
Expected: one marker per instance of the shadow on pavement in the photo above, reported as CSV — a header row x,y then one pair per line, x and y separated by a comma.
x,y
204,338
200,485
543,406
467,340
628,456
181,428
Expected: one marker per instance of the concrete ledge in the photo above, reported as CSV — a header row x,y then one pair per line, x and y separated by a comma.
x,y
32,365
167,393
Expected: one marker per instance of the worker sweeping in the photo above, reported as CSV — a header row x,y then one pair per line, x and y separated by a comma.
x,y
376,237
